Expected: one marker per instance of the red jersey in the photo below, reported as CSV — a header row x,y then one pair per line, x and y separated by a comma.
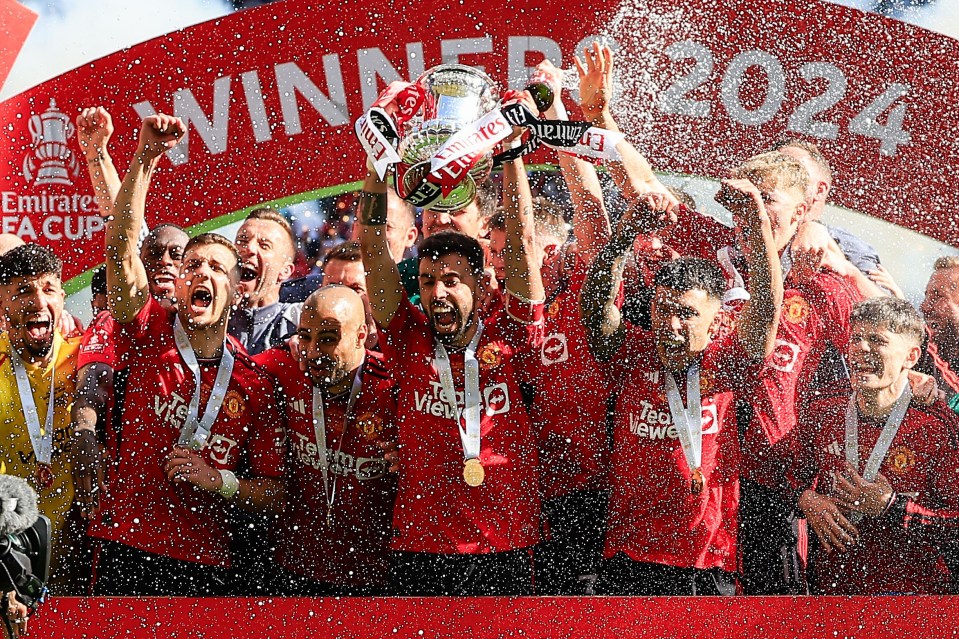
x,y
146,510
99,345
814,313
436,511
654,516
923,464
354,547
571,391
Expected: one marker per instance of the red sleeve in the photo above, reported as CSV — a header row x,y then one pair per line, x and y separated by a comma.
x,y
637,344
267,445
408,324
102,343
150,319
834,297
522,323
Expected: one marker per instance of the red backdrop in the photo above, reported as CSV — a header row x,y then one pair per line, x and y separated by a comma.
x,y
271,94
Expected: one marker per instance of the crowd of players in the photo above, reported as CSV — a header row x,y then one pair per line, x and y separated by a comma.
x,y
663,406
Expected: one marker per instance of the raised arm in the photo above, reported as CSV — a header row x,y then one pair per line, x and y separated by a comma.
x,y
759,319
601,317
590,220
94,129
127,284
632,173
94,389
384,287
523,273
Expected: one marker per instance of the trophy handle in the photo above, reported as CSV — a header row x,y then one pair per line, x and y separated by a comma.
x,y
36,129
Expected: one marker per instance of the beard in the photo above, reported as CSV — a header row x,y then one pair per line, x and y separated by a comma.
x,y
326,372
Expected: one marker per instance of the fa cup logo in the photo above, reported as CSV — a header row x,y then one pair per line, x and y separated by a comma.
x,y
57,163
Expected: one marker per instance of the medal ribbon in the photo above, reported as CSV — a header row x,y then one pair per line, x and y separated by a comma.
x,y
470,415
883,443
195,430
688,421
319,430
40,438
888,433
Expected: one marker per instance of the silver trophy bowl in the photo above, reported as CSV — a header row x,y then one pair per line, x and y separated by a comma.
x,y
456,96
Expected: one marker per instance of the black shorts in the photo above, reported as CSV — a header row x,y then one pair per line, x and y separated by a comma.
x,y
567,562
623,577
498,574
122,570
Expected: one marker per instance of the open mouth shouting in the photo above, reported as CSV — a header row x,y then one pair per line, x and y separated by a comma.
x,y
445,317
200,300
163,284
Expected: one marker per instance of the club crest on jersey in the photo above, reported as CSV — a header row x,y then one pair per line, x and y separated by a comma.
x,y
795,309
233,404
369,425
555,349
490,357
707,383
901,459
554,308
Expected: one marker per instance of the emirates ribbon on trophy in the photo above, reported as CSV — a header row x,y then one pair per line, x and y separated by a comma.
x,y
377,130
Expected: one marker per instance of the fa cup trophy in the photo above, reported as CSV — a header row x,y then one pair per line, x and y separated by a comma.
x,y
438,134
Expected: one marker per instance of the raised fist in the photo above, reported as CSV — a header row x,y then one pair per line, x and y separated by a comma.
x,y
158,134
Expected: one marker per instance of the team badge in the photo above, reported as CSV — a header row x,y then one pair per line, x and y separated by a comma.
x,y
233,404
369,425
901,459
706,384
491,356
554,308
795,309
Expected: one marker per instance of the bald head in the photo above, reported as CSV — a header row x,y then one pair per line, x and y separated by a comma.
x,y
9,241
332,334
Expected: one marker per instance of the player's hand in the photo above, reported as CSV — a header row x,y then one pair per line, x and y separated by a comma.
x,y
17,614
87,472
881,277
391,453
835,532
185,465
94,128
159,134
69,325
743,199
552,76
648,213
924,387
858,495
595,79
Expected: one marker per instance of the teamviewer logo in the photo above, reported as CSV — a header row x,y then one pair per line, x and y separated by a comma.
x,y
51,161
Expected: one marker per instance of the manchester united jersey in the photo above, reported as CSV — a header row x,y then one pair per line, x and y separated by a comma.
x,y
146,510
654,516
352,545
921,463
436,511
570,396
814,312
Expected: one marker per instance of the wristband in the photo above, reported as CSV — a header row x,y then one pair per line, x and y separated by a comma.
x,y
95,160
230,484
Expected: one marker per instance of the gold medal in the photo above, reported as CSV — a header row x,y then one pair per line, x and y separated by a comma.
x,y
43,476
473,472
696,482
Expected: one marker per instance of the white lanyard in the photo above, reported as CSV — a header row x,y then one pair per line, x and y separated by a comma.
x,y
41,438
195,431
878,453
319,429
688,421
469,417
888,433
